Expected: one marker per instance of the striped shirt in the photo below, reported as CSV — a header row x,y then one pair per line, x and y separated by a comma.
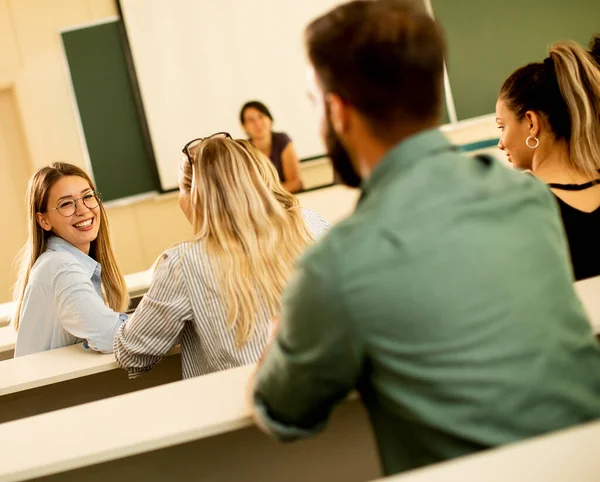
x,y
63,303
183,305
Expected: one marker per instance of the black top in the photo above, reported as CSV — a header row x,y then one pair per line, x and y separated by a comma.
x,y
583,234
279,141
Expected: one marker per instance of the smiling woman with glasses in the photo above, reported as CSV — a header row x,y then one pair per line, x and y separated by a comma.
x,y
217,293
70,288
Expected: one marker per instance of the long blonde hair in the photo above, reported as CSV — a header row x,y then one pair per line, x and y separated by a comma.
x,y
101,250
252,229
565,89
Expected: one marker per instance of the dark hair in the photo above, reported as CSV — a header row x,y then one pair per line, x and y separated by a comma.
x,y
255,104
384,57
595,48
565,90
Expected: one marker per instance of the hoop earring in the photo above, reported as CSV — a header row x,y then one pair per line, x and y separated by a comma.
x,y
537,142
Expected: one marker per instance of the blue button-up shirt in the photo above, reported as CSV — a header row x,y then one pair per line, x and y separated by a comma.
x,y
63,303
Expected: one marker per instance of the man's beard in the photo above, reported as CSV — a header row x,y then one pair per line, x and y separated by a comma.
x,y
340,158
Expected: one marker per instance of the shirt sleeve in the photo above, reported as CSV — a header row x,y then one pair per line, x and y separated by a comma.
x,y
315,360
81,311
283,140
158,321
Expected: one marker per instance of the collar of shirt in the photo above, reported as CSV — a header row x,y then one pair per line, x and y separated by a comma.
x,y
91,266
404,154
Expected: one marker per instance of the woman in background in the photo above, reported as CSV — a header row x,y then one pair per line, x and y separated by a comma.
x,y
549,115
66,265
217,293
257,122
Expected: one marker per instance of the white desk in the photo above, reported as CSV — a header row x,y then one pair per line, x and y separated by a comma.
x,y
137,284
566,456
6,313
69,376
8,336
333,203
589,293
197,429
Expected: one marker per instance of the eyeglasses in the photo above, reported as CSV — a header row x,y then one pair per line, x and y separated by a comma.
x,y
187,149
68,207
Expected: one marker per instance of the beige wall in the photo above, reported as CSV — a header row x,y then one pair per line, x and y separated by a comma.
x,y
13,179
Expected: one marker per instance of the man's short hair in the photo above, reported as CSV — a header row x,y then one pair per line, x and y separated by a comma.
x,y
384,57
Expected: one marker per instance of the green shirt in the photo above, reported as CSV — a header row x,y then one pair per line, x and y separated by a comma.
x,y
447,301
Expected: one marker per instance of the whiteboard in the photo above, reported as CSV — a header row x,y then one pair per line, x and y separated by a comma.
x,y
199,61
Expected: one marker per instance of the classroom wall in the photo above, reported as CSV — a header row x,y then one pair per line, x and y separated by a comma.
x,y
13,179
39,125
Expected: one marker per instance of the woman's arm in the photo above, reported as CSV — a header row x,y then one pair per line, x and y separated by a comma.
x,y
81,310
158,321
291,169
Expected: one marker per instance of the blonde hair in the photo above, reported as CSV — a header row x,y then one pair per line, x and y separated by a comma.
x,y
252,229
565,90
101,250
578,78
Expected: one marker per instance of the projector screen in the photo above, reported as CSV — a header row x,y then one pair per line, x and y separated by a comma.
x,y
199,61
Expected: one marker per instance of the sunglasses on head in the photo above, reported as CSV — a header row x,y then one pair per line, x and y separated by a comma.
x,y
187,149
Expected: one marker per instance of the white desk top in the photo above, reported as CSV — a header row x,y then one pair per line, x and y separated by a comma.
x,y
198,408
333,203
566,456
6,312
8,336
52,366
589,293
137,283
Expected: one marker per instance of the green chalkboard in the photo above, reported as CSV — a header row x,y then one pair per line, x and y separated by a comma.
x,y
115,132
488,40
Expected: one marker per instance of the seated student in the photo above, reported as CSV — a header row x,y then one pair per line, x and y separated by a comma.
x,y
65,265
549,115
446,299
257,122
216,293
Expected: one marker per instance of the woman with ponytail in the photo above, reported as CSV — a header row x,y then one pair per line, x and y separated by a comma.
x,y
549,115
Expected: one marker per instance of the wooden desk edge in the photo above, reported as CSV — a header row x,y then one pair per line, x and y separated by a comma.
x,y
122,452
224,420
109,364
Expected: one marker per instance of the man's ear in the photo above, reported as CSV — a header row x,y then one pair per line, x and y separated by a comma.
x,y
43,222
339,112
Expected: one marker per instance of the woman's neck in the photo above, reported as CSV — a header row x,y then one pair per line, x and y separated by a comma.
x,y
554,166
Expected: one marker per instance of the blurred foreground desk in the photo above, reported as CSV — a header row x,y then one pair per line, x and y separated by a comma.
x,y
70,376
197,429
567,456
